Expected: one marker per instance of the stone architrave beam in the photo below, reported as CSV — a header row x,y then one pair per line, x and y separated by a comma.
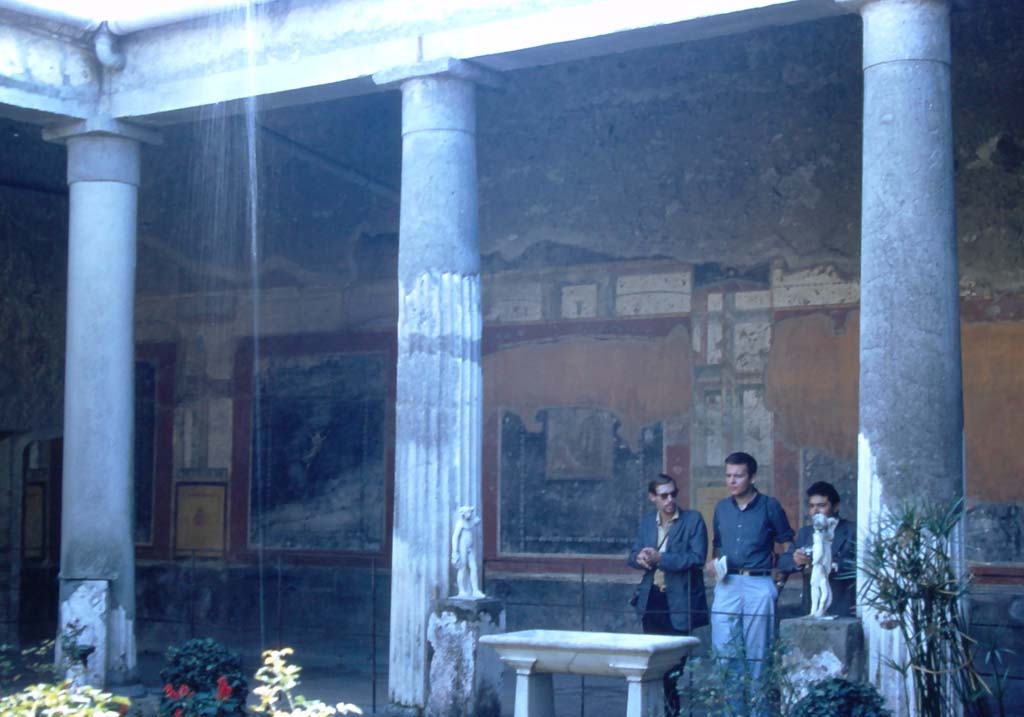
x,y
323,49
911,406
44,75
97,563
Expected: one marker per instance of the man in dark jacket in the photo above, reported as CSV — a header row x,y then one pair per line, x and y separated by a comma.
x,y
823,498
670,547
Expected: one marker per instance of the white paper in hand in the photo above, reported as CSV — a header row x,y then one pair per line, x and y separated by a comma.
x,y
721,567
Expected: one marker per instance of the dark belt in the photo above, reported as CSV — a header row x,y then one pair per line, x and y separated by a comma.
x,y
756,573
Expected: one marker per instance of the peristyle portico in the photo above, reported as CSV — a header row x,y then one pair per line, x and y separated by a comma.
x,y
440,56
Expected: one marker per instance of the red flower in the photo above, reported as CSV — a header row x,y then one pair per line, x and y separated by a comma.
x,y
223,688
176,694
123,709
177,712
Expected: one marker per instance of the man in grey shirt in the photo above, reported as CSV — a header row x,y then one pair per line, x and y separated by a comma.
x,y
747,525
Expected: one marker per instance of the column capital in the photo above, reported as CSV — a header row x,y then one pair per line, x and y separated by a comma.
x,y
102,149
858,5
443,66
100,126
903,30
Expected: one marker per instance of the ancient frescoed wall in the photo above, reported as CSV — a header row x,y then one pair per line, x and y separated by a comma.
x,y
33,276
578,421
33,270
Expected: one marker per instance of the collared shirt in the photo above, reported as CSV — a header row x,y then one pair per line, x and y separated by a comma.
x,y
748,536
663,528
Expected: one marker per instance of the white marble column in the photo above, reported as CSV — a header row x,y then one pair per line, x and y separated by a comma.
x,y
97,568
438,412
911,408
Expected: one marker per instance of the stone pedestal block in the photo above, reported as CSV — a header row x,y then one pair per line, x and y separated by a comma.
x,y
464,680
83,642
822,648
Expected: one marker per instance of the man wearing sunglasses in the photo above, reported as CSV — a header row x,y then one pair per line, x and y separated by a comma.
x,y
670,547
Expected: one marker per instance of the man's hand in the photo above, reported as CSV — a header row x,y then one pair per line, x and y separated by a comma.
x,y
648,558
709,570
801,558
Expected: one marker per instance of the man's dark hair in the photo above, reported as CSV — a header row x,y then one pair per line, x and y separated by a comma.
x,y
662,479
825,489
742,459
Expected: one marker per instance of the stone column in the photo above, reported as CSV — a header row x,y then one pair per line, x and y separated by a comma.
x,y
911,409
438,405
97,565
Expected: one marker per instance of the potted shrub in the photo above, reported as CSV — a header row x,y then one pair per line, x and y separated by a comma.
x,y
203,677
836,697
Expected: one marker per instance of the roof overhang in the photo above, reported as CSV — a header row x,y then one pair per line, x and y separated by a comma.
x,y
310,50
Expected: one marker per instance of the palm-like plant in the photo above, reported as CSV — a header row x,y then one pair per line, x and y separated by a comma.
x,y
914,584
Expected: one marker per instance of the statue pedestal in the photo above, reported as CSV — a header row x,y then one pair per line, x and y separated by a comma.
x,y
464,680
83,645
821,648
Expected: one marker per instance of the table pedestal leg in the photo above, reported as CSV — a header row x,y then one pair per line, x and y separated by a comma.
x,y
644,698
535,693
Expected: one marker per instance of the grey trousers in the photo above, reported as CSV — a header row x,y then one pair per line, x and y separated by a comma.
x,y
743,620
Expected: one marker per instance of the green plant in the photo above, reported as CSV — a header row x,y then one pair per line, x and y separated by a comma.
x,y
278,679
836,697
64,700
202,679
31,664
8,663
39,661
996,659
73,652
724,685
914,585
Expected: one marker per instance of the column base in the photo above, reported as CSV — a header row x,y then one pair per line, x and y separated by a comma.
x,y
82,640
96,639
403,711
464,680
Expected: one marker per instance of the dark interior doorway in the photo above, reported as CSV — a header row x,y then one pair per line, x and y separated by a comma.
x,y
40,540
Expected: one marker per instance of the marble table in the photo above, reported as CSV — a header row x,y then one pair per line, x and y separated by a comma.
x,y
640,659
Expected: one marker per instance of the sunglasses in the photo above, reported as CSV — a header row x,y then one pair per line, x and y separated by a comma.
x,y
672,494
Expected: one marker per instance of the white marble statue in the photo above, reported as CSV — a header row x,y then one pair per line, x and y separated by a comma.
x,y
467,579
821,564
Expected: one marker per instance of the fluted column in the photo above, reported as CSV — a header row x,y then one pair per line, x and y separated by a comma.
x,y
438,413
911,407
97,563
